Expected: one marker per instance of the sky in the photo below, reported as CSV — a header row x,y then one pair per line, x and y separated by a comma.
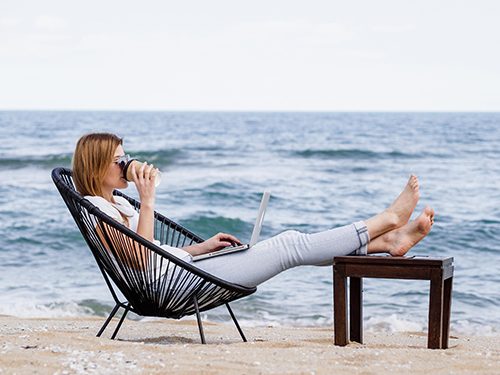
x,y
270,55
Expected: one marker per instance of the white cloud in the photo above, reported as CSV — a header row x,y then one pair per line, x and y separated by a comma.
x,y
394,28
267,55
9,22
292,31
44,37
50,23
327,34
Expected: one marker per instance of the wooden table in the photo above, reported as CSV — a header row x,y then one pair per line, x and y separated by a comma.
x,y
438,270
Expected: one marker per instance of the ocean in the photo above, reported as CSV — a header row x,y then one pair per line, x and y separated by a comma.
x,y
323,169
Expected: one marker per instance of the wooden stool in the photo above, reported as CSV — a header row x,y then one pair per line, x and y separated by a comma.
x,y
438,270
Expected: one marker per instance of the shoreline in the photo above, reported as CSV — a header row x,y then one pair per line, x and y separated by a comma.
x,y
69,346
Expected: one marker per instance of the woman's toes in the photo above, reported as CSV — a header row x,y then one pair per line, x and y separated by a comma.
x,y
403,239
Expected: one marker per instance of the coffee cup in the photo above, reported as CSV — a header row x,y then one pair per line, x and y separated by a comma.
x,y
134,163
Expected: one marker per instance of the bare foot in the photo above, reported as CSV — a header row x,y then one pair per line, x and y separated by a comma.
x,y
402,208
399,241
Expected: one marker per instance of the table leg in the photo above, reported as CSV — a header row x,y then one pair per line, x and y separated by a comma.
x,y
446,312
435,310
356,309
340,308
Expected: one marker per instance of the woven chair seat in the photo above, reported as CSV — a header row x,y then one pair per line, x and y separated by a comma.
x,y
153,281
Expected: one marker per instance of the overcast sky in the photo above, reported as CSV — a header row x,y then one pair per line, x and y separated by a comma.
x,y
250,55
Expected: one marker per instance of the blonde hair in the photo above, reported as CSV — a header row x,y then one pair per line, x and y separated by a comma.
x,y
93,154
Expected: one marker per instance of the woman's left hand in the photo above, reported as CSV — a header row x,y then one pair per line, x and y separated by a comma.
x,y
219,241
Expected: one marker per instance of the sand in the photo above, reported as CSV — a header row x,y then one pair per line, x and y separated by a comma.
x,y
69,346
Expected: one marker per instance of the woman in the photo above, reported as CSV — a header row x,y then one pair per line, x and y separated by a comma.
x,y
97,172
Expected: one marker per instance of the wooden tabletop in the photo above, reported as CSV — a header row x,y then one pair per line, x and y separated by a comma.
x,y
395,261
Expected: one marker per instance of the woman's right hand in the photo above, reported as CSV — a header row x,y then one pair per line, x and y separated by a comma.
x,y
144,180
219,241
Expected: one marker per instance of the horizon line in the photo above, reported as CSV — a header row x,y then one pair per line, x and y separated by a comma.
x,y
252,110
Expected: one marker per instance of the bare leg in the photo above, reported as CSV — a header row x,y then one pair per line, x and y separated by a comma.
x,y
398,213
399,241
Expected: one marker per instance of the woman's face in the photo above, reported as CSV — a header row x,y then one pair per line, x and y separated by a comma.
x,y
114,176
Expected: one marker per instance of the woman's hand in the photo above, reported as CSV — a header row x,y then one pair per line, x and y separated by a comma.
x,y
144,180
219,241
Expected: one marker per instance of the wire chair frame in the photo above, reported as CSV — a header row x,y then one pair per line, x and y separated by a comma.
x,y
153,281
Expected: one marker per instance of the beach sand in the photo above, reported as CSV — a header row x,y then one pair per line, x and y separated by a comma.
x,y
69,346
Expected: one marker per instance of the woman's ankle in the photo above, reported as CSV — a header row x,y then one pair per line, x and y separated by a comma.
x,y
382,223
379,245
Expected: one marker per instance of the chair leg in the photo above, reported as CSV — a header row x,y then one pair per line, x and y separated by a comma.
x,y
127,308
236,322
198,318
113,312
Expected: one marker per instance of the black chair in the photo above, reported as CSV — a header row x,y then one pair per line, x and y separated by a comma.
x,y
164,285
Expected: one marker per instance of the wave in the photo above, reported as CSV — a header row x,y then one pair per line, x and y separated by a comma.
x,y
222,194
25,309
260,318
168,157
40,161
157,157
160,158
208,226
360,154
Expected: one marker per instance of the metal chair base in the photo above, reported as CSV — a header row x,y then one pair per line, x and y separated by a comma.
x,y
198,319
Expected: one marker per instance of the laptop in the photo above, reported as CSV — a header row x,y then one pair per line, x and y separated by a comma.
x,y
255,234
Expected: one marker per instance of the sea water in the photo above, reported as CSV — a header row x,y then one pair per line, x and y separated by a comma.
x,y
323,169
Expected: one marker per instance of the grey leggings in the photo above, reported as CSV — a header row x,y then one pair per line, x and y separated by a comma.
x,y
287,250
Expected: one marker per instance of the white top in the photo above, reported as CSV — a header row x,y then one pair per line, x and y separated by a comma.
x,y
122,205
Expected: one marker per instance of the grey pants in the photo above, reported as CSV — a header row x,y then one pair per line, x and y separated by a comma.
x,y
287,250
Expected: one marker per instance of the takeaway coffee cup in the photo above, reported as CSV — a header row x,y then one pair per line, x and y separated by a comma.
x,y
129,167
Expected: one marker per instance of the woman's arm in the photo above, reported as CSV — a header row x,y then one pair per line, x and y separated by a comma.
x,y
145,184
217,242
